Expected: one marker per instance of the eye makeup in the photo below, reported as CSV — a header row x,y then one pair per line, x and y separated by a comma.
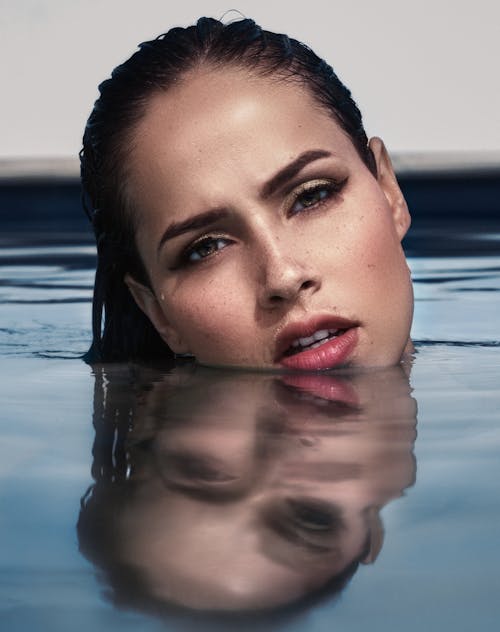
x,y
204,247
313,194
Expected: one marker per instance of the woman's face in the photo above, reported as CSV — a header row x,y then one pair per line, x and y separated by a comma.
x,y
267,241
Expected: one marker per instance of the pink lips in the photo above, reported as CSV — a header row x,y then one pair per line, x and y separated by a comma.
x,y
324,387
332,353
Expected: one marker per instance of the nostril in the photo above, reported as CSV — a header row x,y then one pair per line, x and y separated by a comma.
x,y
288,293
275,298
306,285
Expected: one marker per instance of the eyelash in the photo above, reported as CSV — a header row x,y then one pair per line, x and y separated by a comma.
x,y
331,187
207,240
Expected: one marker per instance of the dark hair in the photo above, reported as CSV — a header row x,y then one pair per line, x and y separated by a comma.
x,y
120,330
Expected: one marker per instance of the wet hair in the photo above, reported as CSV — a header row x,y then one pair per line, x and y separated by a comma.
x,y
120,330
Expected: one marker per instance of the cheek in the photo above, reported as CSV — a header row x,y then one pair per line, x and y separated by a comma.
x,y
372,279
376,256
357,252
208,308
384,289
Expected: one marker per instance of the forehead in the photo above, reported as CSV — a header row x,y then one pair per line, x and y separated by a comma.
x,y
229,122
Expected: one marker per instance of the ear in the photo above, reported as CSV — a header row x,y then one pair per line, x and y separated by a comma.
x,y
148,303
376,531
389,185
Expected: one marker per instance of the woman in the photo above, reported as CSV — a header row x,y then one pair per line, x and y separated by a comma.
x,y
241,215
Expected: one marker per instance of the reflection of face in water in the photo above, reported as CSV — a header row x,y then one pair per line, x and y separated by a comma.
x,y
252,491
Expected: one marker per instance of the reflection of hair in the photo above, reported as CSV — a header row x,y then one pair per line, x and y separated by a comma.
x,y
128,588
98,541
127,333
117,391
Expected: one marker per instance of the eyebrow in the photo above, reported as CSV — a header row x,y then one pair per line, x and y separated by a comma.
x,y
291,170
202,220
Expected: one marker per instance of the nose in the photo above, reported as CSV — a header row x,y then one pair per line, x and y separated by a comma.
x,y
285,277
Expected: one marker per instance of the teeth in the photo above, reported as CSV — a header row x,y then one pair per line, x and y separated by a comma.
x,y
305,342
316,344
322,333
318,338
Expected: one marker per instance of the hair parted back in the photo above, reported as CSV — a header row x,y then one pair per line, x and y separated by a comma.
x,y
120,330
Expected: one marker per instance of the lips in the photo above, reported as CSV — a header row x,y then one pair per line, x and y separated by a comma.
x,y
317,344
324,387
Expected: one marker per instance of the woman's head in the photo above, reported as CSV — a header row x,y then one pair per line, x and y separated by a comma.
x,y
234,190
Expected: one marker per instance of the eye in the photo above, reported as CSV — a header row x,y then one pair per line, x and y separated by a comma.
x,y
313,516
314,194
204,248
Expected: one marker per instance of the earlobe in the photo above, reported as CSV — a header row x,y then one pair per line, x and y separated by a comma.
x,y
148,303
389,185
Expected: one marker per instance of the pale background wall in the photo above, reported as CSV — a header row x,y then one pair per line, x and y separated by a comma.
x,y
425,73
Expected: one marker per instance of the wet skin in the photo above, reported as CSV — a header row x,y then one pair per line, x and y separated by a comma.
x,y
242,262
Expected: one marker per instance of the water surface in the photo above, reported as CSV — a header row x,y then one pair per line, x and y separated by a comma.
x,y
410,457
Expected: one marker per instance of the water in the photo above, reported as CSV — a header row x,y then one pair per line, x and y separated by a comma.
x,y
269,485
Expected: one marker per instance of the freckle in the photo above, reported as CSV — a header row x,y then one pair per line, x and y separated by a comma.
x,y
371,266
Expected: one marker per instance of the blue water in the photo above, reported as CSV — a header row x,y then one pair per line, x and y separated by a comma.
x,y
439,564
